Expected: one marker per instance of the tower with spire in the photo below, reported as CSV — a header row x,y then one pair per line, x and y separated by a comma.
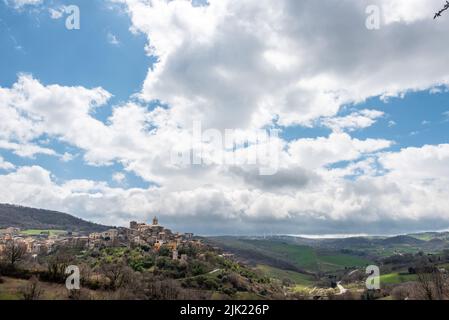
x,y
155,221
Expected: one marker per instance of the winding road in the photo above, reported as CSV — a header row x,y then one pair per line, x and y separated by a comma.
x,y
341,288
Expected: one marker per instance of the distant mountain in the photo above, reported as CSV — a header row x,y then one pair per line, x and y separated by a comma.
x,y
251,248
403,240
30,218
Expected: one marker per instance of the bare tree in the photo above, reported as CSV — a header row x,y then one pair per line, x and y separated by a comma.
x,y
431,283
118,274
163,290
14,252
33,290
438,14
57,264
425,285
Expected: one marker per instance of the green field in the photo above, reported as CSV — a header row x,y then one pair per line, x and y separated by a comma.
x,y
309,258
397,278
279,274
302,257
36,232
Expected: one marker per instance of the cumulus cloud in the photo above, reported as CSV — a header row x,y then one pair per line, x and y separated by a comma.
x,y
5,165
30,109
428,163
119,177
247,65
238,64
357,120
369,204
18,4
319,152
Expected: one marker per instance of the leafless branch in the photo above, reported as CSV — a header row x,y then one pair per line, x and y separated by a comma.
x,y
438,14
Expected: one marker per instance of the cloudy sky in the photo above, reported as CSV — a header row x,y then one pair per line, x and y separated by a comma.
x,y
89,117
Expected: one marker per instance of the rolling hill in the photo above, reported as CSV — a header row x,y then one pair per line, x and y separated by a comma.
x,y
288,255
309,256
30,218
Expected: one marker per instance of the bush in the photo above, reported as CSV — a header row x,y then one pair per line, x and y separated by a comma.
x,y
197,268
78,295
33,290
164,252
210,284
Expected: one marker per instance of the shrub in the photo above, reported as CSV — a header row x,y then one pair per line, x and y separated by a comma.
x,y
33,290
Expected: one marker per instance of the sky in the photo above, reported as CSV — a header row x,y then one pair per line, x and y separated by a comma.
x,y
353,95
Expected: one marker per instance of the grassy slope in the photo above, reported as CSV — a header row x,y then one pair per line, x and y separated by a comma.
x,y
396,278
36,232
303,257
10,289
276,273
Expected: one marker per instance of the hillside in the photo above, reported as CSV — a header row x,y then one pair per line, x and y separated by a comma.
x,y
287,255
308,256
30,218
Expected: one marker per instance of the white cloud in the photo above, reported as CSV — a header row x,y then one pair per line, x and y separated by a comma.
x,y
237,64
5,165
428,163
18,4
391,123
25,149
112,39
29,110
67,157
367,204
316,153
240,64
357,120
119,177
56,13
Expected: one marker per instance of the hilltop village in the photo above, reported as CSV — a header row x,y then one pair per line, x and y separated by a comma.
x,y
138,234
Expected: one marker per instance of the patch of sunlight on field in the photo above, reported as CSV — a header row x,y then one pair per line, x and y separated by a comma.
x,y
397,278
36,232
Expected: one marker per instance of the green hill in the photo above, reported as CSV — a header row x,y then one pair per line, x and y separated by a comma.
x,y
289,256
30,218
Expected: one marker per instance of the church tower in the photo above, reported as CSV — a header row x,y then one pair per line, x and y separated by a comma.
x,y
155,221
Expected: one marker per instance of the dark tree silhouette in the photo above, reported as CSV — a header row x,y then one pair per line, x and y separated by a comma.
x,y
14,252
438,14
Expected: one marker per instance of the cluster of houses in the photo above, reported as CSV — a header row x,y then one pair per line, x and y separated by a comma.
x,y
138,234
34,244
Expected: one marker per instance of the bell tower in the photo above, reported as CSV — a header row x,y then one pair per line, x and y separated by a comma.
x,y
155,221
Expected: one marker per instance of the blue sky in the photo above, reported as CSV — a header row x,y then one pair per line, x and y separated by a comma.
x,y
34,43
195,53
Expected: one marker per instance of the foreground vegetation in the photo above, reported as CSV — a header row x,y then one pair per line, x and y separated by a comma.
x,y
336,269
132,273
259,269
